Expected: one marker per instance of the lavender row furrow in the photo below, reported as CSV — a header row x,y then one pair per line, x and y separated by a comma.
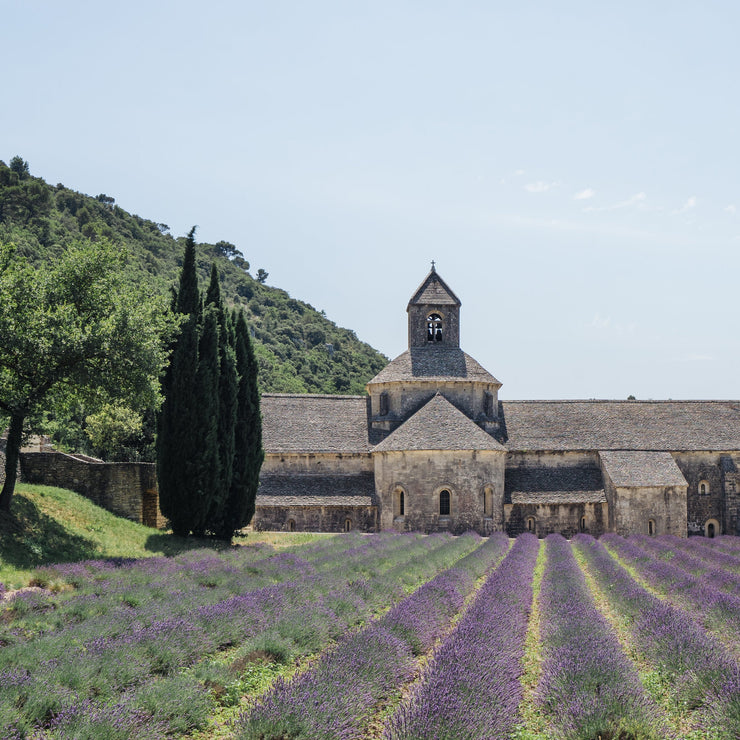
x,y
700,548
337,695
666,570
471,688
588,687
703,677
69,669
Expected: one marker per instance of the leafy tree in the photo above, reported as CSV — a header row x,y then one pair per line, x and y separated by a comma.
x,y
112,427
262,276
20,167
74,329
238,509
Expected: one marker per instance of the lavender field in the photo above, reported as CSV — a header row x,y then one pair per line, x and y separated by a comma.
x,y
389,636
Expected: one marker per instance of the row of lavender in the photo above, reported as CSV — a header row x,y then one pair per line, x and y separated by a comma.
x,y
336,698
703,680
114,667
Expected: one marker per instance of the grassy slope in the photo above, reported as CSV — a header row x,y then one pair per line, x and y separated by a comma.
x,y
51,525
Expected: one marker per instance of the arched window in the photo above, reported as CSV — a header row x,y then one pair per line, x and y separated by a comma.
x,y
434,328
444,503
291,525
347,525
583,524
531,524
703,488
711,528
399,502
651,527
488,501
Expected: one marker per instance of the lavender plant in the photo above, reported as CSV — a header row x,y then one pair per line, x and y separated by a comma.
x,y
471,688
588,687
337,695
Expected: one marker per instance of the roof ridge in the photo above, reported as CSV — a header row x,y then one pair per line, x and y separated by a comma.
x,y
623,400
309,395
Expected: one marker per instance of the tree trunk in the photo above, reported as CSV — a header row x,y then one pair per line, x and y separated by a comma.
x,y
12,453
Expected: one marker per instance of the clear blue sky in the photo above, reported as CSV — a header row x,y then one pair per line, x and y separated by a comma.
x,y
572,167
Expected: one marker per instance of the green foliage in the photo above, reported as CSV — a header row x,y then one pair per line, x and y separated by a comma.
x,y
112,427
42,220
75,331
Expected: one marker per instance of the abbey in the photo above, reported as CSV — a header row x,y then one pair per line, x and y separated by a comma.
x,y
432,448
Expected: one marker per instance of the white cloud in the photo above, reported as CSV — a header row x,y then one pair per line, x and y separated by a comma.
x,y
730,209
519,173
584,194
687,206
540,186
635,200
606,325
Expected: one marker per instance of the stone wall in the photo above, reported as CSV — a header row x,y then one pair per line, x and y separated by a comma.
x,y
563,519
315,518
422,475
125,489
708,468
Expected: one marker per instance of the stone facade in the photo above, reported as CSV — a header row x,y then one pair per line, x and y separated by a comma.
x,y
432,448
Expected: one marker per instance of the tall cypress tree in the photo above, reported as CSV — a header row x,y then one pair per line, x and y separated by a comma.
x,y
239,507
206,464
227,404
177,446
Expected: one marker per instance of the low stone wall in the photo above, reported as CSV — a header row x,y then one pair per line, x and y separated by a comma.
x,y
315,518
125,489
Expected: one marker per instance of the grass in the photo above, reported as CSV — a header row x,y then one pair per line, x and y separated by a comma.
x,y
52,525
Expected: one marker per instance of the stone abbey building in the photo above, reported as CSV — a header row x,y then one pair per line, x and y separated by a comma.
x,y
432,448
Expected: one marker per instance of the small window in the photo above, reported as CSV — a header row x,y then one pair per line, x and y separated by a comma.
x,y
703,488
583,524
399,502
444,503
347,525
651,527
488,501
488,409
383,405
434,328
291,525
531,524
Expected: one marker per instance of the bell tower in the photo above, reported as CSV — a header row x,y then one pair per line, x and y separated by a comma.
x,y
434,315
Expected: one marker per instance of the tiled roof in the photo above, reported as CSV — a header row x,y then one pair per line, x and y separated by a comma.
x,y
558,497
313,423
434,291
642,469
553,485
317,490
622,425
435,364
438,425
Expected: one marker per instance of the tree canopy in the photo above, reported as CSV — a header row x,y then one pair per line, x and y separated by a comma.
x,y
75,330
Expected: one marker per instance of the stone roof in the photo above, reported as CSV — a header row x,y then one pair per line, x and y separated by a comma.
x,y
314,423
642,469
622,425
434,364
553,485
434,291
356,489
438,425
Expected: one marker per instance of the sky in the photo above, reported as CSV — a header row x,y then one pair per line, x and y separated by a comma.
x,y
571,167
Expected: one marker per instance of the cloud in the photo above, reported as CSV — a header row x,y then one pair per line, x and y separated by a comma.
x,y
635,200
695,358
584,194
730,209
519,173
605,325
540,186
687,206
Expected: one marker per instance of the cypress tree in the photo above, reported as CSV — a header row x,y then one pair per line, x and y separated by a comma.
x,y
177,445
227,404
239,507
207,469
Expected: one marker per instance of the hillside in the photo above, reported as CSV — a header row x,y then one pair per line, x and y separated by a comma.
x,y
298,348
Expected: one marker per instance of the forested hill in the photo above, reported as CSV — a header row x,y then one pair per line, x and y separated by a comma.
x,y
298,348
